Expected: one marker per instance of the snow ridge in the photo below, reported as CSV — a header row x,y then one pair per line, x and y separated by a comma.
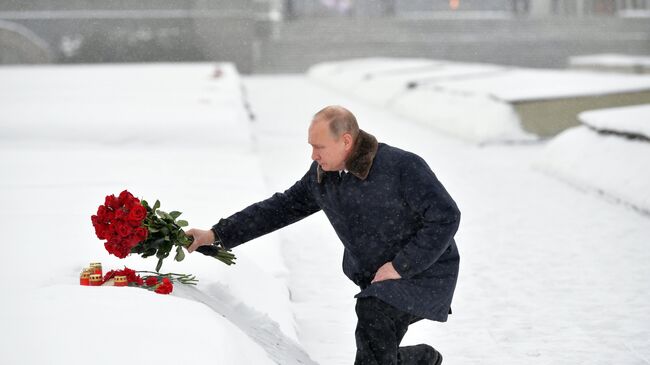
x,y
259,327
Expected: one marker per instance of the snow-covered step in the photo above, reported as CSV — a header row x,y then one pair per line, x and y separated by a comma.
x,y
481,103
608,154
612,62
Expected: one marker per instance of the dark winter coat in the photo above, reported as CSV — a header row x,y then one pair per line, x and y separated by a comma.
x,y
389,207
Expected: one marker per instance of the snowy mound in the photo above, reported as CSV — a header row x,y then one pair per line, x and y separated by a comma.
x,y
65,145
612,61
410,87
610,155
66,324
122,104
475,102
633,121
520,85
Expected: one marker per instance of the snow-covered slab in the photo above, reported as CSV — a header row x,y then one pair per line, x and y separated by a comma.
x,y
382,88
122,103
506,84
612,62
479,102
380,79
359,69
520,85
473,117
68,324
630,120
409,87
616,167
634,13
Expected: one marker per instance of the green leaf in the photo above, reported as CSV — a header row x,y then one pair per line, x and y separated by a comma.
x,y
156,243
159,265
180,255
156,205
165,216
162,254
182,223
175,214
149,252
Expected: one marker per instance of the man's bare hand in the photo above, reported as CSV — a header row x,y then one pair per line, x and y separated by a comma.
x,y
201,238
386,272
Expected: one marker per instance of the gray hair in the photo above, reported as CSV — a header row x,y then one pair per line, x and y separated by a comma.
x,y
340,120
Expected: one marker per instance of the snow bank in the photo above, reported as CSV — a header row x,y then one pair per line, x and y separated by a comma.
x,y
631,120
148,103
68,324
59,161
614,166
519,85
612,61
471,101
409,87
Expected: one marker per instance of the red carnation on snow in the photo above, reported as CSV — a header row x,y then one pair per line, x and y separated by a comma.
x,y
131,276
160,286
165,287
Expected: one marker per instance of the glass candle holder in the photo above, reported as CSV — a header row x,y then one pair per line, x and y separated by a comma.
x,y
96,268
120,280
84,278
95,280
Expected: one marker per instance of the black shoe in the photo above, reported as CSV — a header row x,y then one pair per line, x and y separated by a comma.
x,y
418,355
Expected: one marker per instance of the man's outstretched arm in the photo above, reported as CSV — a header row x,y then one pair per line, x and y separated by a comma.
x,y
260,218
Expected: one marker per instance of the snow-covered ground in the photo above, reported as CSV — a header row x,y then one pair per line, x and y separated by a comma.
x,y
72,135
469,101
608,154
550,274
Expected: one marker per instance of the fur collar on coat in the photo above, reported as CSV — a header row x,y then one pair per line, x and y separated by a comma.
x,y
360,160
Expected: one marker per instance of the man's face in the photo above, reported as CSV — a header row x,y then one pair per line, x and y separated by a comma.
x,y
329,152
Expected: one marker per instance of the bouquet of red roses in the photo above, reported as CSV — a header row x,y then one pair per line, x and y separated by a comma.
x,y
130,225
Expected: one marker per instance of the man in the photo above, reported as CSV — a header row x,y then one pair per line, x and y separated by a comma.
x,y
395,219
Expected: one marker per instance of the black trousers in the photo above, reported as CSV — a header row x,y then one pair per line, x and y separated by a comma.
x,y
380,329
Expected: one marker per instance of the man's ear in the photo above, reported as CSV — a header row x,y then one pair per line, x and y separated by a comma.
x,y
347,140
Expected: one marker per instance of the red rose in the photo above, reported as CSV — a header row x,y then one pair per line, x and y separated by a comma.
x,y
123,229
132,203
123,251
125,197
165,287
117,248
120,215
101,212
101,230
131,241
132,276
141,233
112,248
109,231
109,275
111,202
138,213
151,281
